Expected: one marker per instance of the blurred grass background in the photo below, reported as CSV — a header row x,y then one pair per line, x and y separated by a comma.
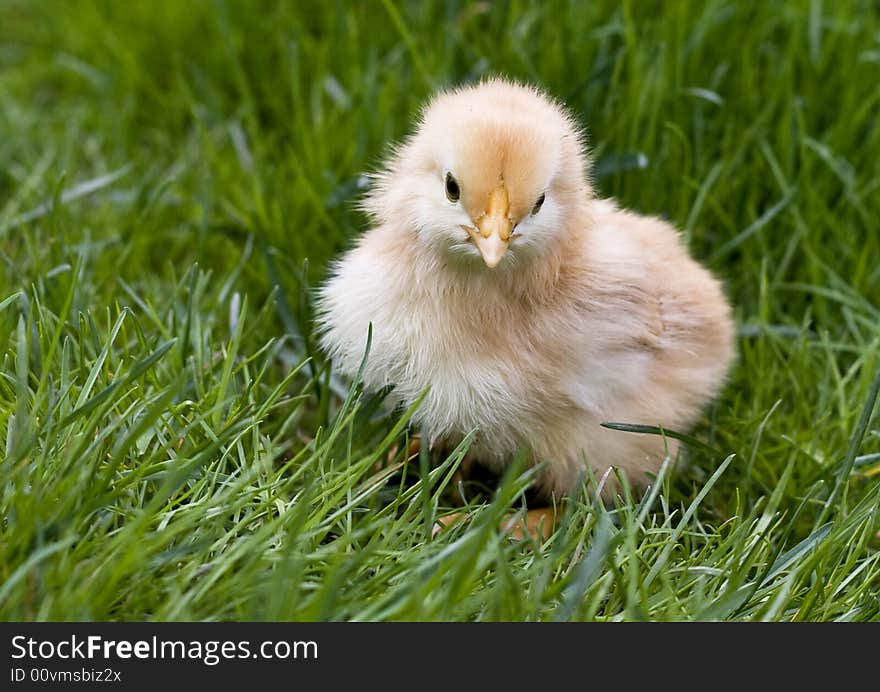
x,y
175,176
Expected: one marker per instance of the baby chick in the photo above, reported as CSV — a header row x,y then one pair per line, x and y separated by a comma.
x,y
528,309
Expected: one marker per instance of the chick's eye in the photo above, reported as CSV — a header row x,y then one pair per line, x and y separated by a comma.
x,y
453,192
538,203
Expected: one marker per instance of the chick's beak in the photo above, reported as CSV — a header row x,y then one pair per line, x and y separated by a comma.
x,y
492,234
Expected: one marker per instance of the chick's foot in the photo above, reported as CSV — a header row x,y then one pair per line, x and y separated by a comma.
x,y
537,524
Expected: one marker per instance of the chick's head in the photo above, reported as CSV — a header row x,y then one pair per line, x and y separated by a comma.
x,y
491,178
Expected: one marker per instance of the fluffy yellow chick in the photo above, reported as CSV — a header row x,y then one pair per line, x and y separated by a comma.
x,y
524,306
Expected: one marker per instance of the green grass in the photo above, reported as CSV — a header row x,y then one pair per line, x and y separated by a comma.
x,y
174,177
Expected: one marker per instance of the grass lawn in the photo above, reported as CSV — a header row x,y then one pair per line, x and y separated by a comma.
x,y
175,177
